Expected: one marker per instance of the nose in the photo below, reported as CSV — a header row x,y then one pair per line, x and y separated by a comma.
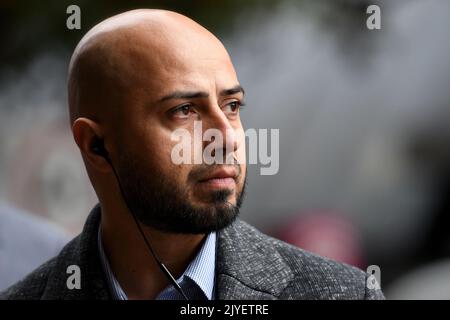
x,y
229,142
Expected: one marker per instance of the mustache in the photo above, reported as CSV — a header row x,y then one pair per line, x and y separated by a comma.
x,y
202,170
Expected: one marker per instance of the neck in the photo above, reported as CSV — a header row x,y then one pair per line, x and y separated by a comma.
x,y
132,263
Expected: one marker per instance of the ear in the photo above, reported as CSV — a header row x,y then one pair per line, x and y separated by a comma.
x,y
85,133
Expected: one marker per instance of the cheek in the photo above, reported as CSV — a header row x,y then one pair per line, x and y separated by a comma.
x,y
240,152
159,149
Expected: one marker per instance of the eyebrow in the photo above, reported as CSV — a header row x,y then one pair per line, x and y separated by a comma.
x,y
234,90
200,94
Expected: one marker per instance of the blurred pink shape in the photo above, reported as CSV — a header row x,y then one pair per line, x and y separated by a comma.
x,y
326,233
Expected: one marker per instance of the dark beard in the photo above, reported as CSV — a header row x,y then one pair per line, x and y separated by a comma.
x,y
163,205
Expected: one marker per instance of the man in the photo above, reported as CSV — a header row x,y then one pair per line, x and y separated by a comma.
x,y
134,79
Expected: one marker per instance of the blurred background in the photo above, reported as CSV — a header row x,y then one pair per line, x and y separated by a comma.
x,y
363,116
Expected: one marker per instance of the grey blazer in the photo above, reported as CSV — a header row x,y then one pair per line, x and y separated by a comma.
x,y
249,265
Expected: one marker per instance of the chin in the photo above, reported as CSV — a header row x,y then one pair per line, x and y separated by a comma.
x,y
204,203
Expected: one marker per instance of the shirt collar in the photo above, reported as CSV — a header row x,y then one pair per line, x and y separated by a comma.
x,y
201,270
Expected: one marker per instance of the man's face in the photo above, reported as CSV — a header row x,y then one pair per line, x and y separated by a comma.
x,y
170,90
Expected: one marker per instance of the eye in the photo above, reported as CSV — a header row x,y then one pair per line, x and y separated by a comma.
x,y
233,108
182,112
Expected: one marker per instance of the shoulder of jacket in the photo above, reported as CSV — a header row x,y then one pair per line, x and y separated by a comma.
x,y
320,276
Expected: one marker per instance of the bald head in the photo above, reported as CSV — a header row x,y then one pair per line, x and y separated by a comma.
x,y
134,80
131,52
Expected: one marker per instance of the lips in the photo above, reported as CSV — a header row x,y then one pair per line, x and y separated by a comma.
x,y
219,174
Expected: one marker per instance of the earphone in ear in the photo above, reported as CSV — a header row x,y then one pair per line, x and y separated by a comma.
x,y
99,148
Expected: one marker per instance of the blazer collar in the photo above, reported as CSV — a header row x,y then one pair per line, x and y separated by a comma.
x,y
248,265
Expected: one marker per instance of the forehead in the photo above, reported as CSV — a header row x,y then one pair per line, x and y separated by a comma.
x,y
162,63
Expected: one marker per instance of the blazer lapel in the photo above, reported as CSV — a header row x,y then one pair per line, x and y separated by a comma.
x,y
248,266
